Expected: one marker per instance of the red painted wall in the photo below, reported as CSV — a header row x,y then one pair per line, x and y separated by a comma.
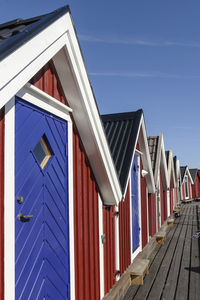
x,y
196,187
171,201
183,191
109,247
152,213
2,204
144,218
86,221
124,232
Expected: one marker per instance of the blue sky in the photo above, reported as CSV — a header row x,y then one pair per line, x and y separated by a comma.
x,y
139,54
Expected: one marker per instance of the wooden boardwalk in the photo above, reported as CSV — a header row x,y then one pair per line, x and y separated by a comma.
x,y
174,271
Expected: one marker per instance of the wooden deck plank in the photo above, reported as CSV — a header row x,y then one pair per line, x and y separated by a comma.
x,y
174,271
194,284
142,292
169,290
159,283
183,278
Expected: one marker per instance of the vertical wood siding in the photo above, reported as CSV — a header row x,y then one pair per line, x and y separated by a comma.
x,y
143,209
109,247
86,230
2,204
171,201
183,191
124,232
152,213
86,222
196,187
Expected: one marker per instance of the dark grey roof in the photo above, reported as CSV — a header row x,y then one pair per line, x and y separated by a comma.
x,y
175,160
183,169
121,131
153,147
193,173
167,157
15,33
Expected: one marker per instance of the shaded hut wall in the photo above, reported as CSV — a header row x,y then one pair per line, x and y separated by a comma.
x,y
125,232
109,247
152,214
2,124
86,237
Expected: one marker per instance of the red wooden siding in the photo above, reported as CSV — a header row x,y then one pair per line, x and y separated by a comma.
x,y
196,187
144,209
2,204
152,213
109,247
183,191
124,232
86,230
86,220
171,201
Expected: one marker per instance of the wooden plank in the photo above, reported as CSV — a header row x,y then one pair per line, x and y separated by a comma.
x,y
170,222
159,283
139,267
143,291
194,285
172,278
183,278
160,237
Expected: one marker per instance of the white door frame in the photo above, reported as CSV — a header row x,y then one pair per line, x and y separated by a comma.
x,y
42,100
139,249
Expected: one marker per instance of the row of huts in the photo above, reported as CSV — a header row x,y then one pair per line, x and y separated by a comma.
x,y
81,194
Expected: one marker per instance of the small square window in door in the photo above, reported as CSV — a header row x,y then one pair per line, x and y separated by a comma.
x,y
43,152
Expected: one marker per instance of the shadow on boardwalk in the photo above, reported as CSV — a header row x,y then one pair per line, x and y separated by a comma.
x,y
174,267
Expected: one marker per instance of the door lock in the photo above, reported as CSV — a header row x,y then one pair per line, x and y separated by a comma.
x,y
24,218
20,199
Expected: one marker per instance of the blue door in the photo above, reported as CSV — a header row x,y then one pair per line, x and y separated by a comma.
x,y
41,205
135,205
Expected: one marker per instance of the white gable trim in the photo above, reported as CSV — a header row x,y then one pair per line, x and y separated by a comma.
x,y
19,67
161,164
145,157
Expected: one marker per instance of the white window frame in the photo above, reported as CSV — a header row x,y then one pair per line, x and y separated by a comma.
x,y
42,100
186,181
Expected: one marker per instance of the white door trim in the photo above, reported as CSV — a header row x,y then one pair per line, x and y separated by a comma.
x,y
9,185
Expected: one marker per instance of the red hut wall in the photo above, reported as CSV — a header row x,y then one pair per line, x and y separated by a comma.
x,y
189,188
144,218
2,204
171,201
86,237
196,187
124,232
183,191
152,213
109,247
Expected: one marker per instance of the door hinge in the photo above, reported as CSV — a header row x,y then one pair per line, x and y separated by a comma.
x,y
116,213
103,238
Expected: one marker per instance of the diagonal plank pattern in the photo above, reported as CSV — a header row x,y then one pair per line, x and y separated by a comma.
x,y
42,242
174,271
